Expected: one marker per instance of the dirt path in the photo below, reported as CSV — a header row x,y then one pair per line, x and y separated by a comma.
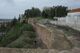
x,y
71,34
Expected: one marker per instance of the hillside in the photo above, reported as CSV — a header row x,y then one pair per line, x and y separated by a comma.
x,y
19,36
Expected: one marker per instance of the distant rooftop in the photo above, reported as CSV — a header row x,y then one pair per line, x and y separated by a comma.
x,y
75,10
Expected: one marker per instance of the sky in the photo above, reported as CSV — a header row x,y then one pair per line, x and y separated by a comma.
x,y
11,8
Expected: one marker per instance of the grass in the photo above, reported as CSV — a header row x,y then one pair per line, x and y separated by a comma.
x,y
11,35
24,41
19,36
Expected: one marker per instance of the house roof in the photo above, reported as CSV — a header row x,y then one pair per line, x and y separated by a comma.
x,y
74,10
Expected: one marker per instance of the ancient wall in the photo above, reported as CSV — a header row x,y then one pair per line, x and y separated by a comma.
x,y
43,32
51,37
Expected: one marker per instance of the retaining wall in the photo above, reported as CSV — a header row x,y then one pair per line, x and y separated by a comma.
x,y
51,37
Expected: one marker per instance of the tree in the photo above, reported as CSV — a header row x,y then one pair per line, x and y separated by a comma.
x,y
48,12
34,12
55,11
19,17
60,11
27,13
14,21
44,14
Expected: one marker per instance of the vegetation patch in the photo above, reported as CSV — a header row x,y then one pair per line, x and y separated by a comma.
x,y
19,36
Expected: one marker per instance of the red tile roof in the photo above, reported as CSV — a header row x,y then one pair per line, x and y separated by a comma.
x,y
75,10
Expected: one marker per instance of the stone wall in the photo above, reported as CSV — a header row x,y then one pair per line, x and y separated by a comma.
x,y
44,34
51,37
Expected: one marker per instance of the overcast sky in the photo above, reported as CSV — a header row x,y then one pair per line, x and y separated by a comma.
x,y
11,8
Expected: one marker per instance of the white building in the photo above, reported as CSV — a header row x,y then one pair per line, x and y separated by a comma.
x,y
73,18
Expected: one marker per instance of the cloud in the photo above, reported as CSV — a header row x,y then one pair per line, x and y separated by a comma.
x,y
8,1
11,8
76,0
19,0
